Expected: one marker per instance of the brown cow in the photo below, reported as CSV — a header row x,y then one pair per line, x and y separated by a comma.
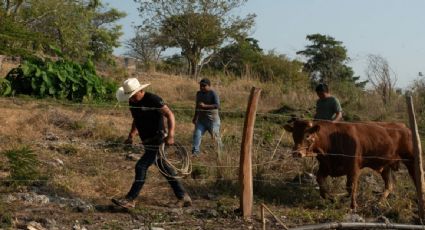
x,y
402,138
346,148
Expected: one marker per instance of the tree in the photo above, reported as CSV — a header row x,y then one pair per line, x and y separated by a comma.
x,y
381,76
174,64
197,27
105,33
80,29
326,60
277,67
16,39
238,57
143,47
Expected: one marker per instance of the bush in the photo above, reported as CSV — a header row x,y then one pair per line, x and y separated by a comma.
x,y
5,88
61,79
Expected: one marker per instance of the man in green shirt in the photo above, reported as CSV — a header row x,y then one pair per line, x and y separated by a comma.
x,y
327,106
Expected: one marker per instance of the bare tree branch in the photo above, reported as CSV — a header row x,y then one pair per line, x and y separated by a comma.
x,y
381,76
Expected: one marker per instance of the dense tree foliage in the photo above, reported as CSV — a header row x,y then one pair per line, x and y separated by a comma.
x,y
275,67
245,58
72,32
197,27
327,60
237,58
80,29
105,33
16,39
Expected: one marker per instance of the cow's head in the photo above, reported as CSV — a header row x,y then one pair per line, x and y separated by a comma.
x,y
304,134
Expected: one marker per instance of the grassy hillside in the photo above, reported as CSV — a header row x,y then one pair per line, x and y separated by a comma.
x,y
79,163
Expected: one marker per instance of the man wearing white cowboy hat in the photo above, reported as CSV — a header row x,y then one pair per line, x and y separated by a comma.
x,y
148,111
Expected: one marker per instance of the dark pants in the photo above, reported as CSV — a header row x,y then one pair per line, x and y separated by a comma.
x,y
142,167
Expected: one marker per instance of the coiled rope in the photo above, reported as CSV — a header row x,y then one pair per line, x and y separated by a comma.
x,y
176,158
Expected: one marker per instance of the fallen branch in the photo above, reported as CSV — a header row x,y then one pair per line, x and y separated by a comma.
x,y
277,219
358,226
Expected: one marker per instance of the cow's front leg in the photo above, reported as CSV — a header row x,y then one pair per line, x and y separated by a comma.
x,y
354,179
321,180
386,176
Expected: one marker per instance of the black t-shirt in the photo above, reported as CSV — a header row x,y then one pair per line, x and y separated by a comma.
x,y
147,116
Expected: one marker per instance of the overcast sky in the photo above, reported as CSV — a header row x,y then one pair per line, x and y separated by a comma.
x,y
394,29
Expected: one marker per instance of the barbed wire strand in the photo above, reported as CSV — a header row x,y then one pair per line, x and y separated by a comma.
x,y
370,123
264,163
237,166
302,182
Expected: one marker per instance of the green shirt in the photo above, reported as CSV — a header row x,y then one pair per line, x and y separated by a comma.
x,y
326,108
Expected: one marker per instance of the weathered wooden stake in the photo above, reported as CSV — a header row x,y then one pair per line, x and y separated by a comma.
x,y
245,169
419,172
263,217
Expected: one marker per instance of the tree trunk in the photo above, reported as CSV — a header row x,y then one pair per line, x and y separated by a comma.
x,y
18,6
384,95
8,8
193,68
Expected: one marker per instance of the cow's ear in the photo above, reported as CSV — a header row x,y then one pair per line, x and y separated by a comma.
x,y
314,129
288,128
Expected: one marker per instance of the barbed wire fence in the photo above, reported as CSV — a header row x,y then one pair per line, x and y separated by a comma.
x,y
262,134
267,152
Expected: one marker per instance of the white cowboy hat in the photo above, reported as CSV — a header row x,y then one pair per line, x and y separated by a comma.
x,y
129,88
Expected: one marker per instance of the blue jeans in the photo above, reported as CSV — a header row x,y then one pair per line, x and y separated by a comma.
x,y
200,128
142,166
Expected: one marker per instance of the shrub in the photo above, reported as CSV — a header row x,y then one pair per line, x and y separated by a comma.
x,y
5,88
61,79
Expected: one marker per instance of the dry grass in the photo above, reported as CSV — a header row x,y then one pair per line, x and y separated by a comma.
x,y
5,67
95,167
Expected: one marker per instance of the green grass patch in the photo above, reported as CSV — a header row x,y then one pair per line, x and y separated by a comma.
x,y
6,219
24,167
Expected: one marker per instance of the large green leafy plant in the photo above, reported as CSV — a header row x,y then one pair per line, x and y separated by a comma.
x,y
61,79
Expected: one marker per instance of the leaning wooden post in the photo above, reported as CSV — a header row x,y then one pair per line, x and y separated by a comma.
x,y
419,172
245,169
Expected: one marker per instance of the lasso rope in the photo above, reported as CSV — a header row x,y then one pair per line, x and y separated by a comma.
x,y
184,164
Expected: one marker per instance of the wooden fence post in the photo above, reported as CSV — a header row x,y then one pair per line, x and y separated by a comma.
x,y
245,169
419,172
